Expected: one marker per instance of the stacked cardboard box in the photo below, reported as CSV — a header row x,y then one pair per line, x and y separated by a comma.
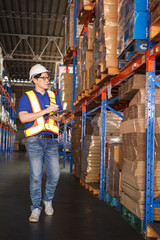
x,y
133,138
69,29
83,5
76,145
66,96
84,61
78,85
114,159
113,172
154,9
155,27
76,142
91,159
113,122
105,34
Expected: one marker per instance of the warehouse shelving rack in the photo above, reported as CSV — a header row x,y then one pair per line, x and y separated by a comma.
x,y
7,132
147,61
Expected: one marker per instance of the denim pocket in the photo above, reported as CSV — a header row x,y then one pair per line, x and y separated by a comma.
x,y
31,139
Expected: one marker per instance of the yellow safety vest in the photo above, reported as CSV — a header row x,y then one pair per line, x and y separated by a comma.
x,y
40,124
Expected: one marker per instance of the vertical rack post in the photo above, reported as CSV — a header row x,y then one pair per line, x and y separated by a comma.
x,y
103,138
71,161
0,136
149,152
83,129
74,53
65,143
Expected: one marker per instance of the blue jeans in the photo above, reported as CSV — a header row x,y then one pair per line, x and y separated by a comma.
x,y
42,151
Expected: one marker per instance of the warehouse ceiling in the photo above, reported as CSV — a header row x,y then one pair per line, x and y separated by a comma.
x,y
31,31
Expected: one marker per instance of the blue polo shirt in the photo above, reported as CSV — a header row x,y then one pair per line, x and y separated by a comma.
x,y
24,105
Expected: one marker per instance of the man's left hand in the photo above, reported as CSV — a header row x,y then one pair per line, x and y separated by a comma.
x,y
57,117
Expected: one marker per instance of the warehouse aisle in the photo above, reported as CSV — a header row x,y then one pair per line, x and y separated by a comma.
x,y
78,214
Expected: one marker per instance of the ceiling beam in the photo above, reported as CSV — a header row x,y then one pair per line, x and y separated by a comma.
x,y
30,60
55,17
25,36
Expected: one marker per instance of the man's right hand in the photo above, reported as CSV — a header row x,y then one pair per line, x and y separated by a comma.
x,y
51,108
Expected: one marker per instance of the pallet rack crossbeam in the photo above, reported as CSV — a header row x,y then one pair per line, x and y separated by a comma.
x,y
117,113
112,100
89,118
93,110
157,84
157,200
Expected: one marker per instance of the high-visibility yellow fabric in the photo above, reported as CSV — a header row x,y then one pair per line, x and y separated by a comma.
x,y
40,124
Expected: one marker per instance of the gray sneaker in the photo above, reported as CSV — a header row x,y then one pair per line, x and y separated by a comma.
x,y
48,208
34,217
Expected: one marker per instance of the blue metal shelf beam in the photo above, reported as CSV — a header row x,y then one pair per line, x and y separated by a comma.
x,y
74,53
149,155
103,145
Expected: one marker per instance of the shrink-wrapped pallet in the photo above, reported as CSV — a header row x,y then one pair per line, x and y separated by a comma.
x,y
76,145
113,174
105,54
113,122
66,96
69,29
87,61
91,159
91,76
79,85
83,5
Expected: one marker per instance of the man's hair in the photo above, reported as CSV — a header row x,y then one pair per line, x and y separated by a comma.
x,y
37,76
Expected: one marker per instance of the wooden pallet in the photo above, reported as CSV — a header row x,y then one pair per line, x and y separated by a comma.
x,y
153,230
94,88
84,14
90,186
68,56
85,94
106,75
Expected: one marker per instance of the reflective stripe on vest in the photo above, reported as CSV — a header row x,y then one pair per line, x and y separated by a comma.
x,y
40,124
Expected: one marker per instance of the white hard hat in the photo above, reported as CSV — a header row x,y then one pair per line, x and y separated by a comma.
x,y
35,70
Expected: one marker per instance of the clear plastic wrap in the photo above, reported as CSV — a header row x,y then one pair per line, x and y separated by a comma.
x,y
113,122
105,34
155,13
115,161
70,27
91,159
76,144
66,96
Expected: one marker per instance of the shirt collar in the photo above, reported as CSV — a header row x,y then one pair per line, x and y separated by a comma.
x,y
39,92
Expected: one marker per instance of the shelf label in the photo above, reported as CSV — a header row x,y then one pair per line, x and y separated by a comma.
x,y
134,66
151,51
143,59
109,88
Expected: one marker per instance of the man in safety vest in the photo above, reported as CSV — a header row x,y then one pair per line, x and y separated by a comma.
x,y
35,110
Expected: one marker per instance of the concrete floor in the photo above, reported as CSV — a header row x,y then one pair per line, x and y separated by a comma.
x,y
78,214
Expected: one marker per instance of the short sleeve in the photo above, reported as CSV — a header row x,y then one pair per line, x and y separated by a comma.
x,y
24,104
58,102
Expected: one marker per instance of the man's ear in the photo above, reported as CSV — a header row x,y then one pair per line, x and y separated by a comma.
x,y
33,80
